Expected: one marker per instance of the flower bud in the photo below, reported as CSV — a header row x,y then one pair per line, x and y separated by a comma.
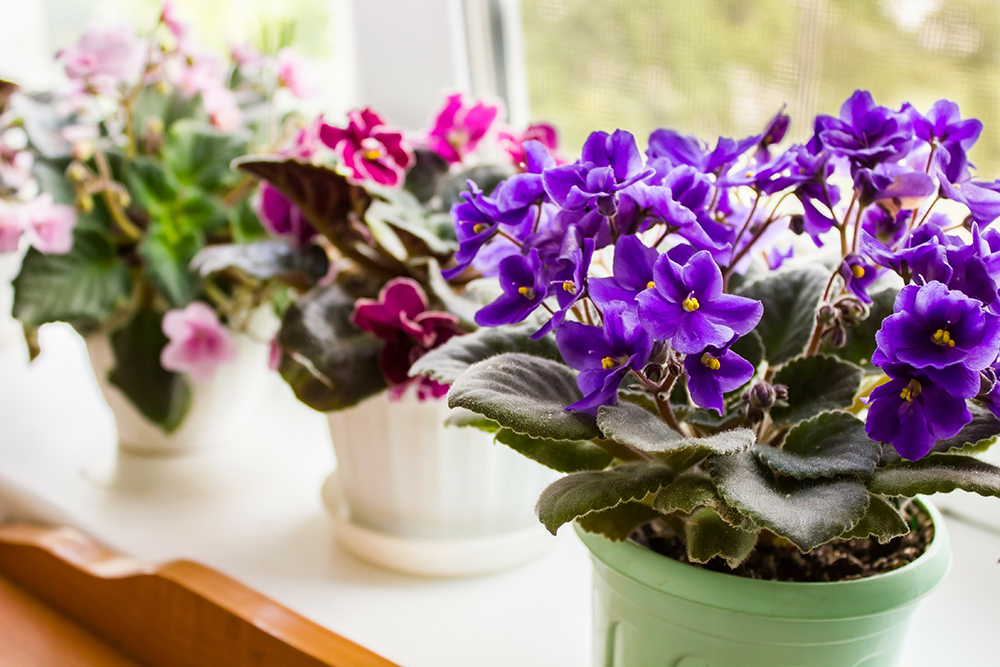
x,y
834,337
762,396
85,202
780,393
852,310
987,380
827,315
654,372
797,223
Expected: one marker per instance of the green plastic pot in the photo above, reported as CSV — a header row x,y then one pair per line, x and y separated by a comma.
x,y
653,611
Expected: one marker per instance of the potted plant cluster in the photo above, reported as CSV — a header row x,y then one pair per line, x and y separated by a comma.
x,y
746,430
129,182
411,491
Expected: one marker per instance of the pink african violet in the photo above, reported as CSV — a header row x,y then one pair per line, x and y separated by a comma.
x,y
223,110
400,318
293,74
170,18
199,73
460,126
512,142
49,226
198,342
10,227
15,163
244,55
369,148
105,55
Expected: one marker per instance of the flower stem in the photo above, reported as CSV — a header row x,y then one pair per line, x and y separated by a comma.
x,y
662,398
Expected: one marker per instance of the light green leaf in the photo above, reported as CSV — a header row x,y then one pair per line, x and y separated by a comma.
x,y
525,394
707,536
816,384
166,258
790,300
199,155
560,455
581,493
828,445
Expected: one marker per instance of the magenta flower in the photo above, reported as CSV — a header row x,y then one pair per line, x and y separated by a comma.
x,y
293,74
49,226
198,342
10,227
369,148
408,330
460,126
512,142
104,56
282,218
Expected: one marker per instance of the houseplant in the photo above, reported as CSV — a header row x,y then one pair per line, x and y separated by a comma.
x,y
410,492
131,164
744,430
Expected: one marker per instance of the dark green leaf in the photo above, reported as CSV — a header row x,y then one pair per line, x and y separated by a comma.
x,y
617,523
245,224
560,455
861,338
427,175
828,445
461,418
750,347
692,490
449,361
83,287
807,513
937,473
881,521
816,384
790,299
525,394
329,363
150,185
51,177
160,395
634,425
266,260
167,108
581,493
200,155
707,536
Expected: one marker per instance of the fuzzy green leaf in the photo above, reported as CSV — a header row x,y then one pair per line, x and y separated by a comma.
x,y
200,155
581,493
937,473
266,260
634,425
617,523
692,490
461,418
816,384
882,521
708,536
560,455
428,173
447,362
790,299
807,513
525,394
828,445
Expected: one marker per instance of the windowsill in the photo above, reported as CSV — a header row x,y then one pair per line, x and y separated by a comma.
x,y
256,515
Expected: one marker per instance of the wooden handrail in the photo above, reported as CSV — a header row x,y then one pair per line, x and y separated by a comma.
x,y
178,614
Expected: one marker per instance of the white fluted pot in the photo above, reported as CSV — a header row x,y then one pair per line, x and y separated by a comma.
x,y
221,408
414,495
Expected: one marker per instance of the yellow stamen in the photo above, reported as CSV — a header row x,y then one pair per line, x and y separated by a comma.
x,y
749,174
526,292
709,361
608,363
942,337
691,304
373,154
650,285
480,227
858,271
569,287
910,391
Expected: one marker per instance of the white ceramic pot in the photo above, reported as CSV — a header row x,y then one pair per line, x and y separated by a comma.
x,y
221,408
414,495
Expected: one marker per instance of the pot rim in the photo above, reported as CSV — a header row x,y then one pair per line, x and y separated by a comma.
x,y
855,598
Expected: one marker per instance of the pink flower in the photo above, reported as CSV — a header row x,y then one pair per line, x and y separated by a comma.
x,y
244,55
49,226
460,126
198,342
293,74
10,227
170,18
104,56
307,141
223,111
369,148
512,142
199,74
15,163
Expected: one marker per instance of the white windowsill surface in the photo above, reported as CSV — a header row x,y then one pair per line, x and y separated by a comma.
x,y
256,515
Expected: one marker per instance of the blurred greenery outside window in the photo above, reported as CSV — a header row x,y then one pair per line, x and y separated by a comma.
x,y
724,67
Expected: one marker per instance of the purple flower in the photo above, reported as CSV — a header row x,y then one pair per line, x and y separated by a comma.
x,y
198,342
943,127
885,227
774,132
400,318
604,355
609,163
807,173
369,148
982,199
460,126
677,149
865,133
633,273
944,332
515,144
519,193
476,220
686,305
524,285
858,274
714,372
569,277
912,412
775,258
282,218
906,188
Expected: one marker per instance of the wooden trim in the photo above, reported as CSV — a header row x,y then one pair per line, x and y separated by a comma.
x,y
179,614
